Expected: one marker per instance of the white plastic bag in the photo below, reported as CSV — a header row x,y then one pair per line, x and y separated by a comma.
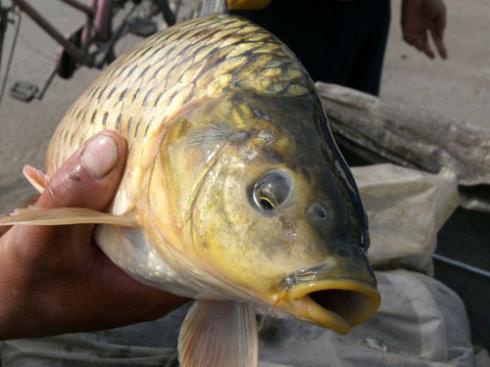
x,y
406,208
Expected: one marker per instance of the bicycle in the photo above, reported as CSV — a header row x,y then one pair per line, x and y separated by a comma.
x,y
91,44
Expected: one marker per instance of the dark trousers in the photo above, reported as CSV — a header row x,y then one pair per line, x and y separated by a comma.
x,y
340,42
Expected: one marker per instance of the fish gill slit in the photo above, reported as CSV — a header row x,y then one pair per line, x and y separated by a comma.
x,y
197,193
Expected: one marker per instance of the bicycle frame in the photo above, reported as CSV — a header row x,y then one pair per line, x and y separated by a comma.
x,y
96,28
75,48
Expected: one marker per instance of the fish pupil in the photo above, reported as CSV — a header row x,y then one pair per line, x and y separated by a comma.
x,y
265,204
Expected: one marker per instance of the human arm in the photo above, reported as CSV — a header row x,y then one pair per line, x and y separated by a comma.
x,y
55,279
419,18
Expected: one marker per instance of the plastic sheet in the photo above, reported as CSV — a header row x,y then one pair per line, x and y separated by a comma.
x,y
406,208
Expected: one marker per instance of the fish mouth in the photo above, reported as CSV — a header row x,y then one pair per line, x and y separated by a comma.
x,y
336,304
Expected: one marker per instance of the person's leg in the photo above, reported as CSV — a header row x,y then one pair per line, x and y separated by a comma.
x,y
368,63
322,33
340,42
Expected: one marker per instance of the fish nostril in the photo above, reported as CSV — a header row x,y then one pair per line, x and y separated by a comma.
x,y
343,253
317,211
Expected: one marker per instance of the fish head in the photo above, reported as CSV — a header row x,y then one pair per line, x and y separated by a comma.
x,y
265,198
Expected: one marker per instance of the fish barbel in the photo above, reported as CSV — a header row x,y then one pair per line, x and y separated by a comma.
x,y
234,192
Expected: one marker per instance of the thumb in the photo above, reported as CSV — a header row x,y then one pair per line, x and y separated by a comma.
x,y
90,176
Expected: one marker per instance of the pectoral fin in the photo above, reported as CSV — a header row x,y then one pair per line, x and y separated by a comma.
x,y
36,177
219,334
59,216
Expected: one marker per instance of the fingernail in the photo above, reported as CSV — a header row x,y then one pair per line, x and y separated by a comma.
x,y
100,155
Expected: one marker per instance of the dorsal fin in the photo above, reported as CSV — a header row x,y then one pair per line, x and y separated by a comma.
x,y
207,7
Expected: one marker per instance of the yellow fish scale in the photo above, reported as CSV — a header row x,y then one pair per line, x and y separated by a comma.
x,y
148,85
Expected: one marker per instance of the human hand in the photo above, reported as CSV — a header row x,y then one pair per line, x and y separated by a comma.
x,y
420,17
55,279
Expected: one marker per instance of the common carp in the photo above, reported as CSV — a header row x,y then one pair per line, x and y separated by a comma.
x,y
234,193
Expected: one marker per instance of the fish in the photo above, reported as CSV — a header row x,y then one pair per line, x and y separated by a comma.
x,y
234,194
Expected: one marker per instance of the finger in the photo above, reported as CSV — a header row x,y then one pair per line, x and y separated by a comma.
x,y
424,44
411,38
441,47
437,32
419,40
87,179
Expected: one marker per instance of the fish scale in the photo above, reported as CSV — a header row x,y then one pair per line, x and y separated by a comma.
x,y
142,84
234,192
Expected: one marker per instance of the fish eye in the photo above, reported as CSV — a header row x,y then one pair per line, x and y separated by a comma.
x,y
271,190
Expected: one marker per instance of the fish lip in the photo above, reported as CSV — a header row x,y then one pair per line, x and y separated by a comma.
x,y
366,297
